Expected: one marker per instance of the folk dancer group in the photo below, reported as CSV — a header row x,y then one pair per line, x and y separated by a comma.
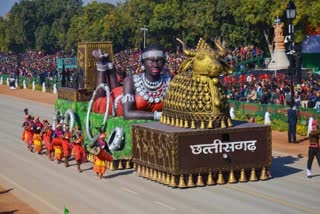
x,y
62,142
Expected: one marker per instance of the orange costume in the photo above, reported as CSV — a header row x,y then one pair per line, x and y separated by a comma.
x,y
100,159
100,164
47,134
66,146
78,150
58,153
27,134
37,142
57,143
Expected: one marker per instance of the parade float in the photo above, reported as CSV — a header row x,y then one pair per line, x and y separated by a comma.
x,y
74,106
195,143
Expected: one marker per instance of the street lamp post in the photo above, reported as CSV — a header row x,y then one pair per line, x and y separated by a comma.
x,y
291,15
144,29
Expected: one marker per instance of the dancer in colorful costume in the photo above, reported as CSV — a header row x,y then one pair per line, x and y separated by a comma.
x,y
314,147
101,156
37,122
66,145
47,133
27,134
57,143
37,140
78,150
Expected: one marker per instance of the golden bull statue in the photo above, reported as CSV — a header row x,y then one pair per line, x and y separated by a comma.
x,y
195,97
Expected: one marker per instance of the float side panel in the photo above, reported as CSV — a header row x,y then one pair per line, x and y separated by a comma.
x,y
169,149
241,150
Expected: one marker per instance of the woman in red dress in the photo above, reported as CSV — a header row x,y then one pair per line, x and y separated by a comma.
x,y
78,150
101,157
66,145
47,137
57,143
27,134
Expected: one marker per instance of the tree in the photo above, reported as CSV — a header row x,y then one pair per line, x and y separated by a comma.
x,y
20,22
88,25
55,14
3,45
53,25
166,22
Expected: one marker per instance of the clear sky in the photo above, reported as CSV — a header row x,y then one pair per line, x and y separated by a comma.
x,y
5,5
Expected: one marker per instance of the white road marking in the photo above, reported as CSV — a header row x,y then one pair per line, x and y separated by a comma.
x,y
129,191
164,205
32,194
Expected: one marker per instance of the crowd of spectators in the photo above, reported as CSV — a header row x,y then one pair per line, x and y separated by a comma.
x,y
30,64
236,56
270,89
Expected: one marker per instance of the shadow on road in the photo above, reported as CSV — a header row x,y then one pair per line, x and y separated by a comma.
x,y
280,166
90,168
127,172
317,175
9,212
5,191
303,139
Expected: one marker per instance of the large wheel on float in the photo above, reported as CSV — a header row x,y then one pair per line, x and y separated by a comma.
x,y
105,87
69,118
59,117
116,139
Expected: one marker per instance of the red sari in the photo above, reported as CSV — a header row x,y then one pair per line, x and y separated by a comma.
x,y
66,146
47,140
78,150
27,135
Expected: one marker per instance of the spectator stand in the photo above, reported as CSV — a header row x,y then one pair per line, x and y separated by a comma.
x,y
30,67
243,62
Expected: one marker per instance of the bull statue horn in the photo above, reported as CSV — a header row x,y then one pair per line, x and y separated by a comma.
x,y
220,47
186,51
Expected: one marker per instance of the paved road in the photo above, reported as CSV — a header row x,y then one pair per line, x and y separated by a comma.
x,y
49,187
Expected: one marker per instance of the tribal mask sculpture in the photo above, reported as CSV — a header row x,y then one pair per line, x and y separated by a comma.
x,y
195,98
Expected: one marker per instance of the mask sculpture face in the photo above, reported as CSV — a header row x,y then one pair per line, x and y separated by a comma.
x,y
153,61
